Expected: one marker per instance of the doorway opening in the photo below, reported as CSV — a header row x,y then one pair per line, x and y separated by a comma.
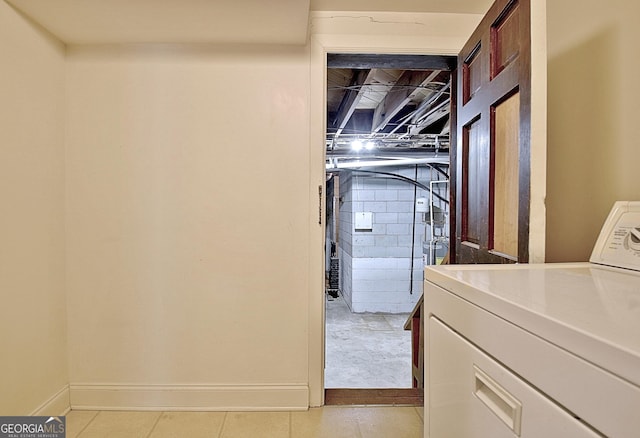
x,y
387,197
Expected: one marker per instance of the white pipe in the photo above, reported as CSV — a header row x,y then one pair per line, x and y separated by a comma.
x,y
382,163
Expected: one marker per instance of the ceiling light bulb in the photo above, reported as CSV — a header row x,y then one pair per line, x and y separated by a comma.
x,y
356,145
370,145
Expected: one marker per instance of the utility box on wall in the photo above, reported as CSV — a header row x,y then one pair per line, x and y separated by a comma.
x,y
363,221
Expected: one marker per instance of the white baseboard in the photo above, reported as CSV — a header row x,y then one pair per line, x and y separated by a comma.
x,y
189,397
57,405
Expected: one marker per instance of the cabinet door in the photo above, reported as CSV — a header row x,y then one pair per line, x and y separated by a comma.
x,y
473,396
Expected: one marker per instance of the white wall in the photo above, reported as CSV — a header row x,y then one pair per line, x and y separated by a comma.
x,y
33,368
187,225
594,95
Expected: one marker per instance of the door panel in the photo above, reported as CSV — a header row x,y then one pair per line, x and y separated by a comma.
x,y
505,39
505,197
472,71
491,159
474,157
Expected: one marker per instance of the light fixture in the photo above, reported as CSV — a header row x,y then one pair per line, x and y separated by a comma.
x,y
356,145
370,145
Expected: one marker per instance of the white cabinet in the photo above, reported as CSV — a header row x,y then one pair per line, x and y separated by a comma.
x,y
473,396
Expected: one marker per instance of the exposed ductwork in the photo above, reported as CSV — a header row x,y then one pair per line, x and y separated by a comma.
x,y
356,164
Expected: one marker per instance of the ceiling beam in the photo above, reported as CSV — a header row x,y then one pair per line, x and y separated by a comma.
x,y
423,116
398,62
351,99
427,104
424,106
432,116
404,90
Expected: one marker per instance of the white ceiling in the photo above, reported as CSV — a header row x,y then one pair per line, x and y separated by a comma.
x,y
171,21
206,21
444,6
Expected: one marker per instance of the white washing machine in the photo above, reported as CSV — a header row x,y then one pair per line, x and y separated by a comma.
x,y
539,350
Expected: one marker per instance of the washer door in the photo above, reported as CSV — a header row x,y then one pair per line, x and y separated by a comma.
x,y
473,396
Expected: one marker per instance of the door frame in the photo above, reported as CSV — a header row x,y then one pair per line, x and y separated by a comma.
x,y
394,34
401,33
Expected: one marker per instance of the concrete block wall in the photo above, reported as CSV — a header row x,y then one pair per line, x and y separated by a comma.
x,y
384,284
380,278
345,237
346,277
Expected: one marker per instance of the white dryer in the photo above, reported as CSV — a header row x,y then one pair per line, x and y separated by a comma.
x,y
538,350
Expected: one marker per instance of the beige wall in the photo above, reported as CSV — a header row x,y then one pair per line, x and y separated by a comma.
x,y
188,259
33,368
593,118
188,241
187,224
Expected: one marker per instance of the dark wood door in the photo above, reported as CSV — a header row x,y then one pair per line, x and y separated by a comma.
x,y
491,158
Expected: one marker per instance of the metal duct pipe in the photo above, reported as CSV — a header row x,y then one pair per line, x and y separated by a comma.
x,y
387,163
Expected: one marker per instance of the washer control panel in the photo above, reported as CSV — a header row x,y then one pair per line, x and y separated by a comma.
x,y
633,239
619,241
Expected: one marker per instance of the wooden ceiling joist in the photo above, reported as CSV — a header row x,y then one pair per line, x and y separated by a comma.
x,y
426,105
351,99
432,116
406,88
398,62
430,111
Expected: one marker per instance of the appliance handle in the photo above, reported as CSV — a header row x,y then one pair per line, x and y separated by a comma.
x,y
499,401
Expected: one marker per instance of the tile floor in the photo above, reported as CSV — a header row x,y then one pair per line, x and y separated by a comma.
x,y
366,350
328,421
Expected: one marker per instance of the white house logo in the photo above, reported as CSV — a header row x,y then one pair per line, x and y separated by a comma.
x,y
33,427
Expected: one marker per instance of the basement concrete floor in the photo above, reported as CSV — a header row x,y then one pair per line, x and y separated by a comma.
x,y
366,350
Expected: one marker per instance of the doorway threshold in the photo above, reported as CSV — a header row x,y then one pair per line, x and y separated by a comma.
x,y
382,396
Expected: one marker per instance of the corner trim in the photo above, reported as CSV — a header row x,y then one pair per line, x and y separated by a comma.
x,y
57,404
